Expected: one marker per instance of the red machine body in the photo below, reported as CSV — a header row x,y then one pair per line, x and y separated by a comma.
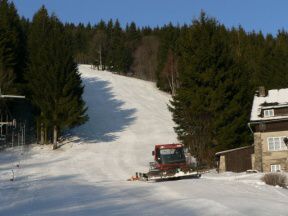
x,y
169,163
169,157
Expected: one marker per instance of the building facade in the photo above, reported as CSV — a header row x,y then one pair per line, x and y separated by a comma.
x,y
269,125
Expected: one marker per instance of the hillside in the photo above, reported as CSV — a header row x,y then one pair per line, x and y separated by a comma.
x,y
87,176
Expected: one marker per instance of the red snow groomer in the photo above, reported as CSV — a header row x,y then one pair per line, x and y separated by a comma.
x,y
170,162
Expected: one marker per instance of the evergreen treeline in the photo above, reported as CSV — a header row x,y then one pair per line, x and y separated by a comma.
x,y
211,71
37,59
52,69
12,50
219,71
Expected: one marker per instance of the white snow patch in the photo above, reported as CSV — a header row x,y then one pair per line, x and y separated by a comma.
x,y
88,175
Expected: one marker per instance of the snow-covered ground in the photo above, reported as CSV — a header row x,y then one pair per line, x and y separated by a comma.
x,y
88,175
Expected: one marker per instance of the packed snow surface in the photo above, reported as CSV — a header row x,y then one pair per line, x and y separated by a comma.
x,y
87,176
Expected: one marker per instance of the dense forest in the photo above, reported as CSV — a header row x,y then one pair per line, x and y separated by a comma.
x,y
211,71
36,59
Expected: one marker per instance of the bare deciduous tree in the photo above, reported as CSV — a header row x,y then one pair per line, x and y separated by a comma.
x,y
170,72
145,58
97,49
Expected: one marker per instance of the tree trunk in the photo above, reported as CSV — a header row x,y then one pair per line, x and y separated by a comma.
x,y
37,132
42,134
100,56
45,135
55,136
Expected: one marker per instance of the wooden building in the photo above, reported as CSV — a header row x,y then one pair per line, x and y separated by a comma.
x,y
235,160
269,125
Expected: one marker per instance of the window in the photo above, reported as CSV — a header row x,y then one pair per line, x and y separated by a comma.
x,y
268,113
276,144
175,155
275,168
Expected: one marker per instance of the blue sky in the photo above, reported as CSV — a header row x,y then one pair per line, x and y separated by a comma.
x,y
264,15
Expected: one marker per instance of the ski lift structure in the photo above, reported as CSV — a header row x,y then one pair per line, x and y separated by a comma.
x,y
8,125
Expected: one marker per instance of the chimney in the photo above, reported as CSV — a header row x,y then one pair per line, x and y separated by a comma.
x,y
262,91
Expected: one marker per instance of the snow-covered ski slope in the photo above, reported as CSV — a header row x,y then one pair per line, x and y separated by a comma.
x,y
88,175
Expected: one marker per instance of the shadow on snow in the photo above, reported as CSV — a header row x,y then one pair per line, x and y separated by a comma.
x,y
63,196
106,115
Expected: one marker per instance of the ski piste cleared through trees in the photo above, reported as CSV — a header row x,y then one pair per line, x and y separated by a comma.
x,y
88,175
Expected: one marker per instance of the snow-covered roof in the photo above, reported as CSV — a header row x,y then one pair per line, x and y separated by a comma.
x,y
276,98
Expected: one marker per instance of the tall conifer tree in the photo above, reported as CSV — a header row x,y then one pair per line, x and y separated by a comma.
x,y
53,76
10,47
208,104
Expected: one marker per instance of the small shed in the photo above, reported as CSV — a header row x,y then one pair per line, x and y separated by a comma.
x,y
235,160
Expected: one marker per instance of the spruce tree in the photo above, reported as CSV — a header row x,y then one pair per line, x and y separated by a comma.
x,y
207,107
11,62
214,70
53,70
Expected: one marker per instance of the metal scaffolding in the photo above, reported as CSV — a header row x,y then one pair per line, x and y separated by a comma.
x,y
11,132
